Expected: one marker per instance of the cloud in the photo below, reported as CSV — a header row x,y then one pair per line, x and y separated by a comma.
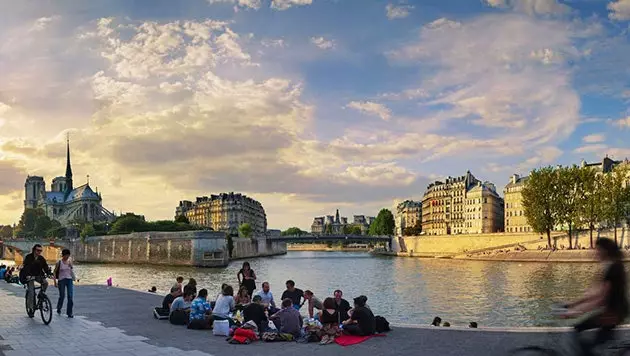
x,y
619,10
371,108
407,94
323,43
532,7
250,4
277,43
594,138
12,177
286,4
43,22
595,148
397,11
623,123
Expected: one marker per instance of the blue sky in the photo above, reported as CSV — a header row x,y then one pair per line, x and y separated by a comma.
x,y
306,105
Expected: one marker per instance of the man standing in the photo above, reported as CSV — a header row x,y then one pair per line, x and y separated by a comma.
x,y
35,266
295,294
342,306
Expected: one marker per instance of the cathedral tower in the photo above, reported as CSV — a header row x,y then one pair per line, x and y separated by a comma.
x,y
68,168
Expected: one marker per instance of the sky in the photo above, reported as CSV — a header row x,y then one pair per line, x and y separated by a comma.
x,y
305,105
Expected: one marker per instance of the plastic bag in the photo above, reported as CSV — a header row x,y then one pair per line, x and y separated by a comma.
x,y
221,328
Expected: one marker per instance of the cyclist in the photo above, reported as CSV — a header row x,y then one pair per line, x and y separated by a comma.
x,y
35,269
607,298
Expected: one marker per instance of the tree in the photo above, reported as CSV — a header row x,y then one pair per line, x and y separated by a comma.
x,y
245,230
182,219
356,230
6,232
328,230
615,197
591,208
539,201
413,230
384,223
293,231
570,196
42,224
87,231
127,224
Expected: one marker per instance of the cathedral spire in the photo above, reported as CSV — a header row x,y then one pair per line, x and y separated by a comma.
x,y
68,165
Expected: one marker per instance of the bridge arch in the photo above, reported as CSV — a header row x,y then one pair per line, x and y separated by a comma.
x,y
16,249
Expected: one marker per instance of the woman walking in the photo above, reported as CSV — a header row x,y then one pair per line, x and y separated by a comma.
x,y
249,278
64,280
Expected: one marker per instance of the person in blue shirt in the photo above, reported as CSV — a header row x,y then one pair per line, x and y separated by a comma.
x,y
200,312
3,270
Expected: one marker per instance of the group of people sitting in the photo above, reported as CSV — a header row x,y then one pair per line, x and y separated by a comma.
x,y
187,306
9,274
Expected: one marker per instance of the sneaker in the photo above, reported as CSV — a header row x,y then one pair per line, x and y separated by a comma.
x,y
324,340
70,316
59,311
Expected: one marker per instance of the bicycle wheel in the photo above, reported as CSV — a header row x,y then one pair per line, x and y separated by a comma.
x,y
29,312
45,309
534,351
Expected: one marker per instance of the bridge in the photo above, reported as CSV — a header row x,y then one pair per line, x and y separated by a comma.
x,y
18,248
310,238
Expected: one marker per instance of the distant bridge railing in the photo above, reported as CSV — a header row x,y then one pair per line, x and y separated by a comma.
x,y
312,238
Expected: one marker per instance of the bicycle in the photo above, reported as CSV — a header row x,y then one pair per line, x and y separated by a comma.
x,y
555,348
42,303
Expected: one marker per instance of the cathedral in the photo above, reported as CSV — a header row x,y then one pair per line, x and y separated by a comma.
x,y
64,202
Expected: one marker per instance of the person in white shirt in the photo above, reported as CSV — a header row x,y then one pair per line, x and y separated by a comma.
x,y
267,298
224,306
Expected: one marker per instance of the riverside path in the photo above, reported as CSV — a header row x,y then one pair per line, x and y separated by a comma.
x,y
110,321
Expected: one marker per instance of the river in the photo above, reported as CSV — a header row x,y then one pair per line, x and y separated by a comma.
x,y
404,290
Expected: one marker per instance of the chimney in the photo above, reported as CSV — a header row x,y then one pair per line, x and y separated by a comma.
x,y
514,178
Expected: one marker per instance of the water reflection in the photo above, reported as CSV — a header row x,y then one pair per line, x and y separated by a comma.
x,y
405,290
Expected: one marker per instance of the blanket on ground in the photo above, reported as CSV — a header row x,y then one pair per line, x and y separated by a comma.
x,y
347,340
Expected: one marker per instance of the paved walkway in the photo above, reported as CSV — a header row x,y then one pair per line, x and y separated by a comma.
x,y
112,321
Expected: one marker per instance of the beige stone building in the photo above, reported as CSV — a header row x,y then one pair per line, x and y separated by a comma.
x,y
224,212
335,224
515,220
408,214
446,210
484,209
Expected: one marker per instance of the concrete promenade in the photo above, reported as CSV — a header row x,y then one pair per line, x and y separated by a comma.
x,y
119,321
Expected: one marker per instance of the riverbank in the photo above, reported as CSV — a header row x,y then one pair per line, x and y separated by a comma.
x,y
558,256
325,248
113,321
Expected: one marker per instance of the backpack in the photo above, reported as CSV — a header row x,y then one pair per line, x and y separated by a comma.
x,y
22,276
382,325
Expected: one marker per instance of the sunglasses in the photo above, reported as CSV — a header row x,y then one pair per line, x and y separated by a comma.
x,y
38,250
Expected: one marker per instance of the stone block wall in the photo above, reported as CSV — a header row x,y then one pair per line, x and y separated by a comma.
x,y
258,246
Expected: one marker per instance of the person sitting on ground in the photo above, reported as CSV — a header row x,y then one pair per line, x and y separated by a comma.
x,y
8,275
200,312
180,309
364,299
472,325
329,317
446,324
179,285
437,321
169,298
295,294
342,306
224,306
153,289
255,312
3,270
191,287
313,303
362,321
288,320
267,298
242,298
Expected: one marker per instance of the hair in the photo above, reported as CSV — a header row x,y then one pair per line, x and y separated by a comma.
x,y
154,288
291,283
246,264
360,301
610,248
228,290
329,303
192,282
174,289
35,247
203,293
338,291
267,283
308,292
287,303
473,325
243,289
189,293
436,321
65,252
257,299
180,279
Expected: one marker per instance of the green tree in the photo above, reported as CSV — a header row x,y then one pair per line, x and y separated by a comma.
x,y
293,231
384,223
413,230
570,198
615,198
182,219
245,230
590,210
539,201
42,224
28,220
6,232
127,224
87,231
356,230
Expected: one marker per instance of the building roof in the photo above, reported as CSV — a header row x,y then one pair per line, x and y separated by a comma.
x,y
83,192
518,182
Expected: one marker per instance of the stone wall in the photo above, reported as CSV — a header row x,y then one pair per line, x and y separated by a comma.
x,y
189,248
258,246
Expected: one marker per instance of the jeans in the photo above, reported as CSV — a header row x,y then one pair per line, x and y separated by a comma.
x,y
63,285
30,288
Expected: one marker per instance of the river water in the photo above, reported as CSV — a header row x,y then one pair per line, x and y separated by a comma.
x,y
404,290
